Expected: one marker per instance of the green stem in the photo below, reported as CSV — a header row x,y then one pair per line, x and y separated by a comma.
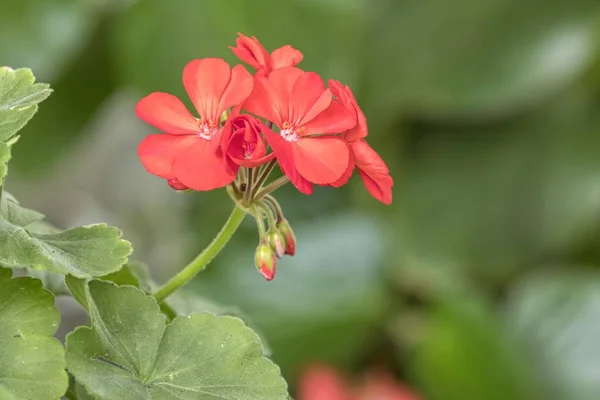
x,y
263,176
249,186
260,224
271,187
269,212
203,259
278,211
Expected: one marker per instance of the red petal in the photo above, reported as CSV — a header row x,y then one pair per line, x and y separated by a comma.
x,y
374,172
157,152
347,174
238,89
285,56
166,113
308,98
322,383
250,51
205,81
283,151
347,99
264,102
200,168
321,160
334,119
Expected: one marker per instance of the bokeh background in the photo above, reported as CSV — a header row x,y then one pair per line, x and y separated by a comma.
x,y
481,281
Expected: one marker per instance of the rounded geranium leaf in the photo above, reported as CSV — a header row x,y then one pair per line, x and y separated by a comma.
x,y
32,362
129,352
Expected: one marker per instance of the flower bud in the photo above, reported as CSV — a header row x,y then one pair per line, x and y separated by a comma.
x,y
277,242
243,143
284,227
175,184
265,261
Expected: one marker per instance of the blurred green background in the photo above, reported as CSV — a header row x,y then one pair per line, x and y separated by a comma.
x,y
481,281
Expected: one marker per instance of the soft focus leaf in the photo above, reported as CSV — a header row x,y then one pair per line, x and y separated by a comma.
x,y
476,58
323,303
195,29
45,34
32,365
19,97
557,317
492,200
463,357
82,252
130,353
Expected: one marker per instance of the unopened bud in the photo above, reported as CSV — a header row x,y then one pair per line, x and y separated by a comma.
x,y
265,261
277,242
175,184
284,227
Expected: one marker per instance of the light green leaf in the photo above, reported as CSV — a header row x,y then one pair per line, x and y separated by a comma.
x,y
19,97
556,315
130,353
32,365
14,213
4,158
83,252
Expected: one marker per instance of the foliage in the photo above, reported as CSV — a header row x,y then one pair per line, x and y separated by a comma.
x,y
487,112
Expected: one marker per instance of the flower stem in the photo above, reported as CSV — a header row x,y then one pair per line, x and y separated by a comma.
x,y
271,187
273,203
263,176
249,186
203,259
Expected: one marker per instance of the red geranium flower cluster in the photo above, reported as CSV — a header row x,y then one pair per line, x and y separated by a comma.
x,y
281,115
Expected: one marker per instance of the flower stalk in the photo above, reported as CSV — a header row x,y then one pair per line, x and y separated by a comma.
x,y
203,259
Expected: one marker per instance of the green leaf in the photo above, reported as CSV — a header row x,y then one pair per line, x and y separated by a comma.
x,y
19,97
467,210
14,213
32,364
556,315
132,274
83,252
205,29
130,353
476,58
46,34
4,158
464,357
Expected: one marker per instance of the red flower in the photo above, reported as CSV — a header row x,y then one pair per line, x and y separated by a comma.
x,y
375,174
299,104
250,51
324,383
189,151
243,143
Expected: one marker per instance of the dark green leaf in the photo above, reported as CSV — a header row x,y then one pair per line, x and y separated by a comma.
x,y
475,58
